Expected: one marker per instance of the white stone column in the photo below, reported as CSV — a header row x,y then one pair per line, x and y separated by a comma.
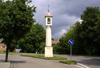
x,y
48,36
48,48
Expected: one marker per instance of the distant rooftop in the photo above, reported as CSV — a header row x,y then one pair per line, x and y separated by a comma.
x,y
55,41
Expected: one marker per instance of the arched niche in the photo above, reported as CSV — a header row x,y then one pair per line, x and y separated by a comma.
x,y
48,21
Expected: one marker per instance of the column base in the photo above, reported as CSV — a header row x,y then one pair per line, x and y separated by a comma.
x,y
49,51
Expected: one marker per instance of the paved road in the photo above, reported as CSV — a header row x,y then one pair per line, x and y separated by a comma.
x,y
92,62
18,61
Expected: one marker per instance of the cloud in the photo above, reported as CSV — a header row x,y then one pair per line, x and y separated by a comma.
x,y
65,13
62,22
59,34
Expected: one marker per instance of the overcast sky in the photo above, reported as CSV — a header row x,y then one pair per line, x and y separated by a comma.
x,y
65,13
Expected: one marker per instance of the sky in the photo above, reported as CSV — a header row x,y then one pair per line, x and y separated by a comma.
x,y
65,13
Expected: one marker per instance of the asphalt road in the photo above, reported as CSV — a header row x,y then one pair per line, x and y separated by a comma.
x,y
18,61
92,62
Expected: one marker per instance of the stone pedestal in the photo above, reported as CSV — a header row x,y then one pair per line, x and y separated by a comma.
x,y
49,51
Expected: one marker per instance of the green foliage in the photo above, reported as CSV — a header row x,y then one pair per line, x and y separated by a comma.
x,y
12,47
16,16
90,18
42,47
78,40
16,19
29,47
2,51
55,48
34,40
52,38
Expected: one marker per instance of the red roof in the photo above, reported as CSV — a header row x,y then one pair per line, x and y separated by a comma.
x,y
55,41
48,14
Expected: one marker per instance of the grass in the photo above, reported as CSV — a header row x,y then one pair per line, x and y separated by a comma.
x,y
10,53
2,51
50,58
68,62
13,53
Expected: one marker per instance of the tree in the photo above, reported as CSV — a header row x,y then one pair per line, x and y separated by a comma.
x,y
97,37
78,47
89,17
62,46
52,38
42,47
16,20
34,39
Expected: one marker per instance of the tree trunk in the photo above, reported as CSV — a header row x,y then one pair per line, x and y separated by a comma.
x,y
90,53
6,58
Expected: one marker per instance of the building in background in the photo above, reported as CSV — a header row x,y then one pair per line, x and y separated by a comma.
x,y
57,41
2,46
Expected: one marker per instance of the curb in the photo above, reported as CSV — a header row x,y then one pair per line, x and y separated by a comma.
x,y
5,65
8,65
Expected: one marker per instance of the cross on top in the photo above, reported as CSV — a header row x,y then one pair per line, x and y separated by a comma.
x,y
48,8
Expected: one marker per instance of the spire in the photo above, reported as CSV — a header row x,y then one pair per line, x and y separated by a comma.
x,y
48,14
48,8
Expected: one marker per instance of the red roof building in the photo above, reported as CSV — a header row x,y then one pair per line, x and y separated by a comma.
x,y
2,46
55,41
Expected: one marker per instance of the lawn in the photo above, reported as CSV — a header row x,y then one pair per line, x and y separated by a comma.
x,y
13,53
2,51
10,53
68,62
50,58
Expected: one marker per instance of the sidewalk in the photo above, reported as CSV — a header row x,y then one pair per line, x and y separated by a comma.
x,y
4,64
